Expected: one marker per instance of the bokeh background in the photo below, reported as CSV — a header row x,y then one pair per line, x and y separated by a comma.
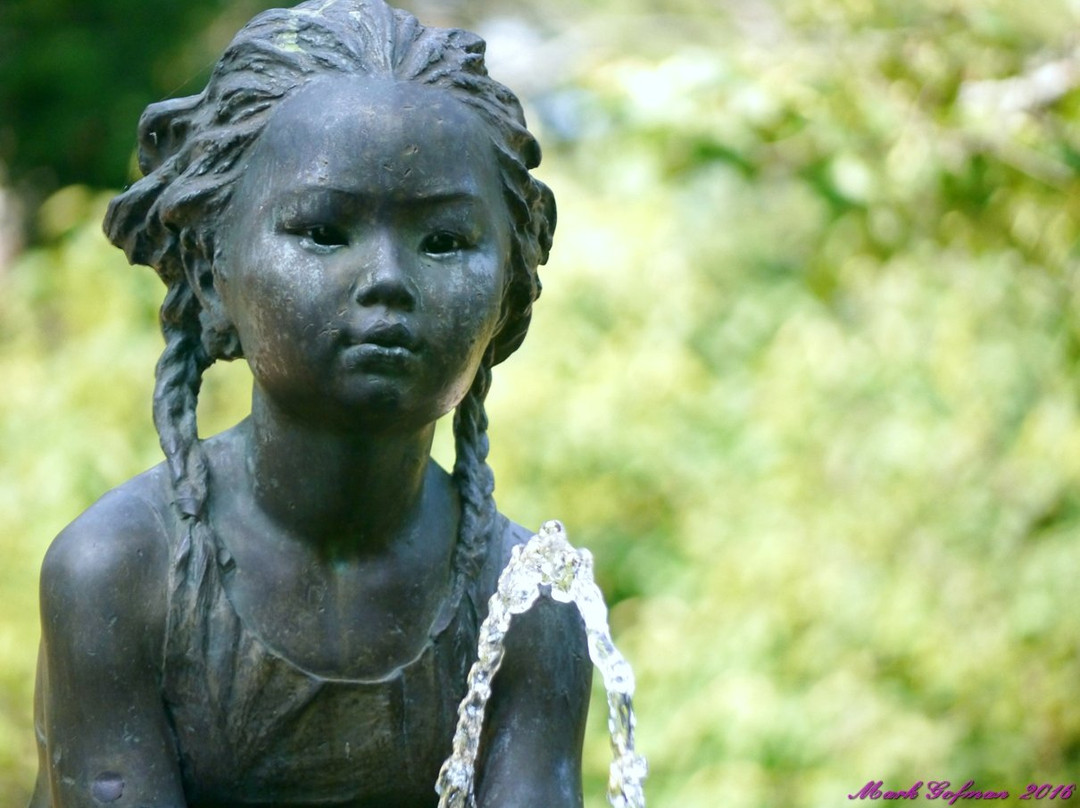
x,y
803,376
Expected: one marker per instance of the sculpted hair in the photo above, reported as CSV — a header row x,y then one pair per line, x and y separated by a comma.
x,y
191,152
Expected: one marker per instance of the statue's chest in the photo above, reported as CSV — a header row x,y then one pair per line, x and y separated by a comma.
x,y
252,727
355,627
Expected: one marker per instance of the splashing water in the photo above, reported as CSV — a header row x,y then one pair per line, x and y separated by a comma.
x,y
547,559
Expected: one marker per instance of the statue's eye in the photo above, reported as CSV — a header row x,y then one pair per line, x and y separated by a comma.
x,y
326,236
442,243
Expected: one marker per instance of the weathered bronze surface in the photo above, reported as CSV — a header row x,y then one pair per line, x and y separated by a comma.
x,y
284,614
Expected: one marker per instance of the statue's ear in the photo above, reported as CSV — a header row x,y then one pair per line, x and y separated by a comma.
x,y
219,337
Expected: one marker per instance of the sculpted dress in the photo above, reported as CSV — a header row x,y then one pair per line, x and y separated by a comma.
x,y
253,728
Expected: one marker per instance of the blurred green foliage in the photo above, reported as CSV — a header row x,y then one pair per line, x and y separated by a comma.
x,y
803,377
71,70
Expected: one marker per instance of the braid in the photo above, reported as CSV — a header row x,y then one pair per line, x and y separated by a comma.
x,y
474,478
178,379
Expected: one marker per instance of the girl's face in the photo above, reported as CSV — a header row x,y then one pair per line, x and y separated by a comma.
x,y
363,255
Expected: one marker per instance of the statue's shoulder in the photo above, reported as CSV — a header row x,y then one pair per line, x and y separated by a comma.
x,y
551,620
114,556
103,623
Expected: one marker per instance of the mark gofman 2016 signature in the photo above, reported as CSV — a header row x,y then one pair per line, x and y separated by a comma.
x,y
942,790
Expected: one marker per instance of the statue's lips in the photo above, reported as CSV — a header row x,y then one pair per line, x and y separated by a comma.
x,y
381,346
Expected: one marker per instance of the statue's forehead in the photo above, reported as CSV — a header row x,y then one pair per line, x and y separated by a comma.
x,y
374,135
369,106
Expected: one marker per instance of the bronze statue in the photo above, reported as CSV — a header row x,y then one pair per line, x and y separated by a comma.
x,y
284,614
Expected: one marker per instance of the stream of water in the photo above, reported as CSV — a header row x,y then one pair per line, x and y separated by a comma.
x,y
547,560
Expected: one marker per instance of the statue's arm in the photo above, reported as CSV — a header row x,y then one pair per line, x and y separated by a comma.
x,y
103,609
535,726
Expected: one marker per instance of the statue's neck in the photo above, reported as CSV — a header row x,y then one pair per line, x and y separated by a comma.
x,y
349,493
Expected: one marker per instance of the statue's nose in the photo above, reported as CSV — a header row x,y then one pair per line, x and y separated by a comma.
x,y
383,275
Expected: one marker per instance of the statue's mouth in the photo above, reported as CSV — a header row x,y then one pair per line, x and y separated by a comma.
x,y
386,345
388,334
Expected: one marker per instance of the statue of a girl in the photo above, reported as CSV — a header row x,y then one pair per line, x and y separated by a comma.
x,y
284,614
